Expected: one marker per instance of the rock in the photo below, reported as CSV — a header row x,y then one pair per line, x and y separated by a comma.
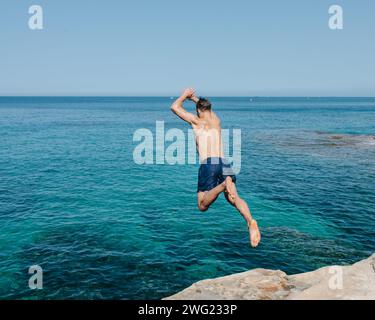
x,y
336,282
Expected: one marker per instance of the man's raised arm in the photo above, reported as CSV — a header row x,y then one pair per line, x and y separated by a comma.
x,y
178,109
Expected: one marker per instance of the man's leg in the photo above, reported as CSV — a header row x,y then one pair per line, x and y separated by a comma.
x,y
205,199
232,197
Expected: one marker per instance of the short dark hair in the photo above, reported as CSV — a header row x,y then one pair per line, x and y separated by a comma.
x,y
203,104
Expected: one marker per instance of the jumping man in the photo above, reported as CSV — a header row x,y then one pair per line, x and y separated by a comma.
x,y
215,174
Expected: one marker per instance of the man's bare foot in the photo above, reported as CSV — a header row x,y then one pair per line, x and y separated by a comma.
x,y
254,233
229,188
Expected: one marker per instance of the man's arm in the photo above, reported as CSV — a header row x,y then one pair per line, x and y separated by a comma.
x,y
178,109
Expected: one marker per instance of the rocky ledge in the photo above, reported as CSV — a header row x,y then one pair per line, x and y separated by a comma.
x,y
356,281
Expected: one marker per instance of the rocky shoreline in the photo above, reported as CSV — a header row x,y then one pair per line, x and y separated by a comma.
x,y
351,282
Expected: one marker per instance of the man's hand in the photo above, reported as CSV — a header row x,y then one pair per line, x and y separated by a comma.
x,y
194,98
188,93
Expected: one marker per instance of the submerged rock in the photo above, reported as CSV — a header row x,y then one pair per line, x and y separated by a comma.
x,y
336,282
347,139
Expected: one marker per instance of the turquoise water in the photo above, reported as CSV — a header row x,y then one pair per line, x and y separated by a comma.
x,y
73,201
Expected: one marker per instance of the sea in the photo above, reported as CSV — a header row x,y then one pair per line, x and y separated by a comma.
x,y
100,226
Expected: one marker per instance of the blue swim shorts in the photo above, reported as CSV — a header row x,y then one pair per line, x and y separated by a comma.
x,y
212,172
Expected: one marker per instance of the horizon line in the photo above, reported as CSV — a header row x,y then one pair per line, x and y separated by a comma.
x,y
176,96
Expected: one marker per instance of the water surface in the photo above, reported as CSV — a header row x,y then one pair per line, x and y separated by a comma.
x,y
73,201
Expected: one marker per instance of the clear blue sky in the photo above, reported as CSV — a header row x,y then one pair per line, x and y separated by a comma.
x,y
148,47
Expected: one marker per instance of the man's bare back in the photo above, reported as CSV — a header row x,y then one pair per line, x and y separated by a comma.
x,y
215,175
207,132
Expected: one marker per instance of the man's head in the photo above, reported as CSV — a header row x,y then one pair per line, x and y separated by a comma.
x,y
203,105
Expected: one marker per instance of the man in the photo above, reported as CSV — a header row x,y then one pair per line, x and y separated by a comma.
x,y
215,175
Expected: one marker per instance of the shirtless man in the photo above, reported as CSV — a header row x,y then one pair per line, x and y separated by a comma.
x,y
215,174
